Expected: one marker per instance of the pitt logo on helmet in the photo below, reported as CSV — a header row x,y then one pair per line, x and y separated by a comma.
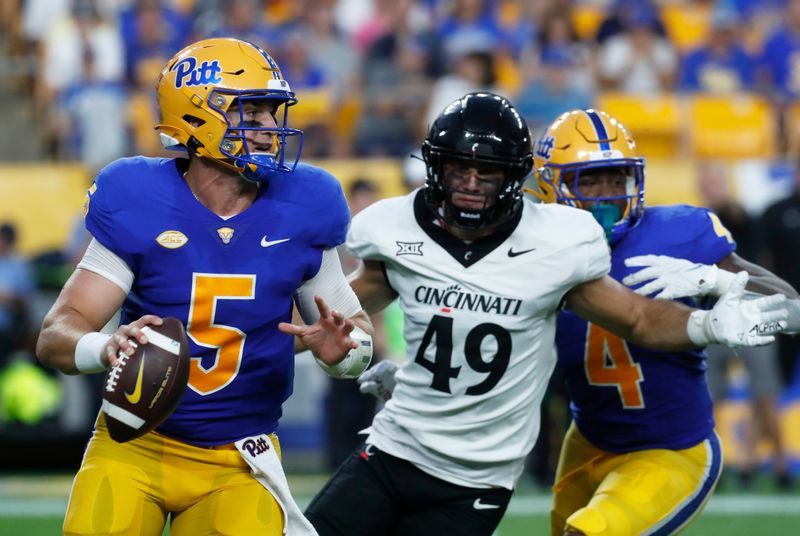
x,y
582,143
544,147
206,73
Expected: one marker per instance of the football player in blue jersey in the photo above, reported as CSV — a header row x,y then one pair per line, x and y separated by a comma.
x,y
225,240
641,456
481,273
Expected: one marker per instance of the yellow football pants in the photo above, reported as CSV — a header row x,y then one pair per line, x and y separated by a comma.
x,y
130,488
655,492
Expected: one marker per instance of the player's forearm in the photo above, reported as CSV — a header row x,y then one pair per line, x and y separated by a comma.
x,y
662,325
652,323
761,280
370,285
60,333
768,284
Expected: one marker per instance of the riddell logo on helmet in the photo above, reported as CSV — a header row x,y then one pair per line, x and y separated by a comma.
x,y
188,72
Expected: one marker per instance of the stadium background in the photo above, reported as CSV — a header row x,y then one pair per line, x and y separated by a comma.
x,y
76,91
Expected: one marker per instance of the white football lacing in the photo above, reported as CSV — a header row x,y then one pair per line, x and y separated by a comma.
x,y
113,374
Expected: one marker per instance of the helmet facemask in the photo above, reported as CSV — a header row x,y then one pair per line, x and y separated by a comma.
x,y
480,131
500,198
588,141
265,151
615,213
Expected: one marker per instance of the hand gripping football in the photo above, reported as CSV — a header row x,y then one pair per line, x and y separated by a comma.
x,y
144,388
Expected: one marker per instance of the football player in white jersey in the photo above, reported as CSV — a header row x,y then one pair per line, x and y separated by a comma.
x,y
481,274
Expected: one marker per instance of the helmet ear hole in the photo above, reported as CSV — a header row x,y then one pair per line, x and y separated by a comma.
x,y
194,121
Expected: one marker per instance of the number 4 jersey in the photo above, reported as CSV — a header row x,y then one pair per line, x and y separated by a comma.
x,y
479,326
231,281
625,397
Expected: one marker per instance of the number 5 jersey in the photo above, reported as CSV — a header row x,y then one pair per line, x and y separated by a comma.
x,y
230,280
479,326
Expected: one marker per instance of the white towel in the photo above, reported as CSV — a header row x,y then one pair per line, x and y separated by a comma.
x,y
259,453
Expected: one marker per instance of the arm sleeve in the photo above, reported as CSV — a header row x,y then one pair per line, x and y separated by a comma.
x,y
102,261
331,284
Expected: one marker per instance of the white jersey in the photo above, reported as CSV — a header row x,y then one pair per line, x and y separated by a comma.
x,y
479,327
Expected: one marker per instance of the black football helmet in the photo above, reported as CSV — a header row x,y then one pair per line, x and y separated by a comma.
x,y
479,128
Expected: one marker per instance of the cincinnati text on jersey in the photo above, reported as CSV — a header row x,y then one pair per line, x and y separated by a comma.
x,y
456,298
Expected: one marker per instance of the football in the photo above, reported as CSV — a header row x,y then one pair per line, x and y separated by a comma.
x,y
144,388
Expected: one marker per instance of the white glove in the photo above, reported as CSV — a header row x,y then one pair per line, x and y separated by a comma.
x,y
793,324
735,321
378,381
676,278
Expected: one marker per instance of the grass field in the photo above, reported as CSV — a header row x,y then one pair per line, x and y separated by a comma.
x,y
33,505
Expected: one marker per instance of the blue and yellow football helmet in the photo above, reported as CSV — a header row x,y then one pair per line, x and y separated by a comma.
x,y
581,140
199,86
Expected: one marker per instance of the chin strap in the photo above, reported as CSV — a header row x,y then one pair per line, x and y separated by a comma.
x,y
259,170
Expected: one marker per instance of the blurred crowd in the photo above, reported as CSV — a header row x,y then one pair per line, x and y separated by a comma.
x,y
370,73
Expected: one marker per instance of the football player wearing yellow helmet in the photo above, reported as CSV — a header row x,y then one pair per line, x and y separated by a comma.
x,y
204,240
637,459
581,154
226,100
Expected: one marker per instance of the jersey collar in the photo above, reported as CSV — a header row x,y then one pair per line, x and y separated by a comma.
x,y
465,253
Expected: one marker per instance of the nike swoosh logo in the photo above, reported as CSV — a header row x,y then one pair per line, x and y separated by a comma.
x,y
134,397
478,505
512,253
267,243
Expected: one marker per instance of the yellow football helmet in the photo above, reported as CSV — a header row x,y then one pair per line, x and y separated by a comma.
x,y
196,90
588,139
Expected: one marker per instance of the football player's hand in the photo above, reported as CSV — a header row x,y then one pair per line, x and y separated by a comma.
x,y
736,321
673,278
378,381
127,336
328,338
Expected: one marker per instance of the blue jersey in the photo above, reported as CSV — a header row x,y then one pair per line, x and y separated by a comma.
x,y
231,281
625,397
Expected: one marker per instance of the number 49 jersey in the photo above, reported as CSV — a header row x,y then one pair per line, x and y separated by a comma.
x,y
625,397
231,281
479,327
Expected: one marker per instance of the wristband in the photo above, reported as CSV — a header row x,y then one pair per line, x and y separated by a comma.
x,y
89,352
357,359
697,330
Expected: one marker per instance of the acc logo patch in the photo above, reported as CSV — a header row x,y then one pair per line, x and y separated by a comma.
x,y
172,239
190,74
544,147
